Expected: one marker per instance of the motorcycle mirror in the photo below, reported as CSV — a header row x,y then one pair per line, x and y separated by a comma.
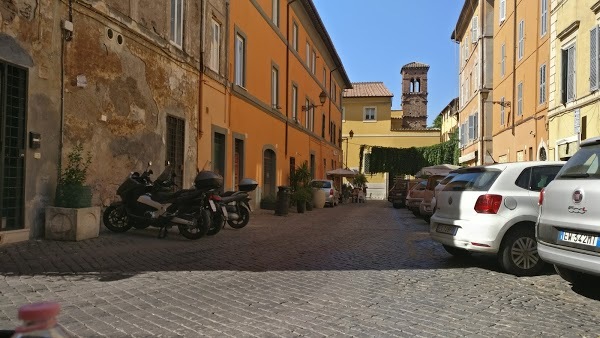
x,y
149,163
167,163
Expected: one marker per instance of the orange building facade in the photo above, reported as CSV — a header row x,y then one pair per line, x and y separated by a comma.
x,y
521,68
282,106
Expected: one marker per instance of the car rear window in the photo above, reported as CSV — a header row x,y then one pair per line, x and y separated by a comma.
x,y
583,165
476,180
447,179
321,184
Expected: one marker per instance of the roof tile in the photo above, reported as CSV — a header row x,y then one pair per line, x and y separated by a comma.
x,y
368,89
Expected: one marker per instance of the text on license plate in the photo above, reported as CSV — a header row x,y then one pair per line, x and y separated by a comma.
x,y
578,238
446,229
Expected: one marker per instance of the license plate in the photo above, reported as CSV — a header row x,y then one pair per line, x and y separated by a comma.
x,y
213,207
446,229
572,237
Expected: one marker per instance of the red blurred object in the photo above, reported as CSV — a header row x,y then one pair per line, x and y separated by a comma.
x,y
488,204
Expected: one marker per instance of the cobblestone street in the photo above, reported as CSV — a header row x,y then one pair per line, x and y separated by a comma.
x,y
356,269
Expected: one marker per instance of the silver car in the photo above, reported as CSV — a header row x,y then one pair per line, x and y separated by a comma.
x,y
568,227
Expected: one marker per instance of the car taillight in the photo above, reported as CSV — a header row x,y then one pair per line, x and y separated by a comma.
x,y
541,199
331,192
488,204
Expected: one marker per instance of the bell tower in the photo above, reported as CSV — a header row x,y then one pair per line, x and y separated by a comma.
x,y
414,95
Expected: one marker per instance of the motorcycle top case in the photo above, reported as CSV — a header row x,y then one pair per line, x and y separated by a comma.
x,y
248,184
208,180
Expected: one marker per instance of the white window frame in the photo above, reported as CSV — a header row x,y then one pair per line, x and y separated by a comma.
x,y
521,49
275,12
308,54
475,29
543,17
502,11
295,102
542,89
240,60
369,118
595,58
568,97
177,12
295,36
520,99
313,62
343,114
215,51
274,87
307,107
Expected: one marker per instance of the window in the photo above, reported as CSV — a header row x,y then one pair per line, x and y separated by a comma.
x,y
313,62
476,78
568,74
473,126
306,112
594,58
370,114
367,165
343,114
219,153
542,84
544,17
323,126
474,29
295,36
583,130
240,60
520,99
275,87
177,22
308,54
311,119
215,47
324,77
537,178
503,59
295,102
276,12
502,11
334,93
175,146
502,114
521,39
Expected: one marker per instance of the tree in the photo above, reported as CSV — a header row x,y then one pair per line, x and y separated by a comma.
x,y
437,123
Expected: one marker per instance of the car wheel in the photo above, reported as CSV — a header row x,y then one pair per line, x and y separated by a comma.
x,y
576,278
518,253
456,252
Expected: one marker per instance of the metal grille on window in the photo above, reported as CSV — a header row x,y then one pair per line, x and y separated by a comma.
x,y
175,143
594,59
13,95
367,163
571,74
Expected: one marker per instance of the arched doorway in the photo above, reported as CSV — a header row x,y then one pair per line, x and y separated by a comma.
x,y
269,172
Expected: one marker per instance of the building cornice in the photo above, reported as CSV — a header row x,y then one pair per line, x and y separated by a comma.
x,y
567,31
596,7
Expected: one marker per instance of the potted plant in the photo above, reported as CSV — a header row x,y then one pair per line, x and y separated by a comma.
x,y
73,217
301,197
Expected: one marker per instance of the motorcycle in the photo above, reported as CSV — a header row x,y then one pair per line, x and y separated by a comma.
x,y
146,203
237,204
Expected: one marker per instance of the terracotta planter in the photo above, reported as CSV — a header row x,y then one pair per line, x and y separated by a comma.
x,y
319,198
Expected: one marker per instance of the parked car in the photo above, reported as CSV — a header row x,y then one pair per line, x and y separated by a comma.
x,y
493,209
425,210
439,188
332,195
397,194
567,228
415,196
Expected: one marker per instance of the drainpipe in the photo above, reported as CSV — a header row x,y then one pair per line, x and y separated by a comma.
x,y
201,70
514,67
287,75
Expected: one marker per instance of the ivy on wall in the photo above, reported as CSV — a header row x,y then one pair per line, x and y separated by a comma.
x,y
408,161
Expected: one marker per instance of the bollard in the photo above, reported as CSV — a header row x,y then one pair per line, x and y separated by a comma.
x,y
283,201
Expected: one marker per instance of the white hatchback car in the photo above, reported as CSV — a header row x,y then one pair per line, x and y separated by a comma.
x,y
568,231
493,209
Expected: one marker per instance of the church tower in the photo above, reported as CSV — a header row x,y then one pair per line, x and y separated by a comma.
x,y
414,95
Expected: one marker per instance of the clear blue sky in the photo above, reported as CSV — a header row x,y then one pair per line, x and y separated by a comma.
x,y
376,38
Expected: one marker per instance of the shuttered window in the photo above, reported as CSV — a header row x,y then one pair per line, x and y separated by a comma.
x,y
502,59
568,74
520,99
502,11
594,58
542,84
475,29
521,39
502,112
544,17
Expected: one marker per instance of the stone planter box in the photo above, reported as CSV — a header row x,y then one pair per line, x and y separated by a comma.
x,y
72,224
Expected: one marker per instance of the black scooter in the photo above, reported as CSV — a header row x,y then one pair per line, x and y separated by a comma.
x,y
146,203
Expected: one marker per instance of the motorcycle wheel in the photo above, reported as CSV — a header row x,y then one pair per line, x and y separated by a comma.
x,y
198,230
216,224
242,221
115,219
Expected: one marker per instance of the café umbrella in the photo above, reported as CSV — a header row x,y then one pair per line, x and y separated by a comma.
x,y
341,172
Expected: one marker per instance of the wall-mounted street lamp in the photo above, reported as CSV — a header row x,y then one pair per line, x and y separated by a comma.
x,y
350,135
484,96
322,99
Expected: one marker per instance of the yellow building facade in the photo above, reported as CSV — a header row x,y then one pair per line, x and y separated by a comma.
x,y
449,119
368,117
283,102
520,85
573,113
